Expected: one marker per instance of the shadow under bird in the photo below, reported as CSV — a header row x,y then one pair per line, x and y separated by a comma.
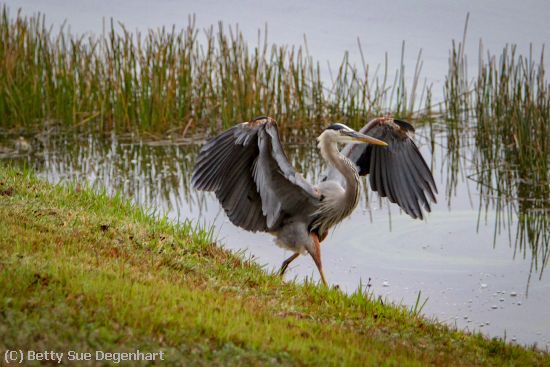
x,y
248,170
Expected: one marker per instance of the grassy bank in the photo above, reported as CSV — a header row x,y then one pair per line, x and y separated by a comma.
x,y
82,271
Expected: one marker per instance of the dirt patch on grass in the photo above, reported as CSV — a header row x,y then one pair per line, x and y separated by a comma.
x,y
7,192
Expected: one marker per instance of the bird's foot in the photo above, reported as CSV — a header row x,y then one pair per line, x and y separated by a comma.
x,y
286,263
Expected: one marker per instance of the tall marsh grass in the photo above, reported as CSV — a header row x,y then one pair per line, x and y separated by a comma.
x,y
507,108
171,79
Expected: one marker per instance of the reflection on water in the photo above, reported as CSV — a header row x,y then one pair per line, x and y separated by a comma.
x,y
521,204
476,246
518,200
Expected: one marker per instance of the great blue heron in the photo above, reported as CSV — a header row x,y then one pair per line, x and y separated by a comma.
x,y
250,174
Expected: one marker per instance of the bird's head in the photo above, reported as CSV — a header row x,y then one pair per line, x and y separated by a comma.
x,y
340,133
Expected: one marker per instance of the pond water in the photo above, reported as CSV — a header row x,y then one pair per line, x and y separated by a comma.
x,y
463,259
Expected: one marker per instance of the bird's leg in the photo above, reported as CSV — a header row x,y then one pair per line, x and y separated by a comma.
x,y
287,262
315,253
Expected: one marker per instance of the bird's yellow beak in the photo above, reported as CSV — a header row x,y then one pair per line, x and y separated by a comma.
x,y
362,138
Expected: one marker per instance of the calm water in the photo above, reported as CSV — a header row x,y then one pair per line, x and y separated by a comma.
x,y
472,271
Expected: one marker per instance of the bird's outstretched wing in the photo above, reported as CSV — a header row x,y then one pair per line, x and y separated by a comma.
x,y
398,172
247,169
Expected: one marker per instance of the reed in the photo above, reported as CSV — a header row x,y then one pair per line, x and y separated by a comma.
x,y
179,80
507,109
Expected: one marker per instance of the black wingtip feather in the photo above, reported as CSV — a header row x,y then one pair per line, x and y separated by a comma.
x,y
404,125
398,172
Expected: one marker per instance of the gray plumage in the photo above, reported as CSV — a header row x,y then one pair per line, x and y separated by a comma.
x,y
397,172
249,172
258,188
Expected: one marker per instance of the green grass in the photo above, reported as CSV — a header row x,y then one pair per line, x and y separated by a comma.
x,y
82,271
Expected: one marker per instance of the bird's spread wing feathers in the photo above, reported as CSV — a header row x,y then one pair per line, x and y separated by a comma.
x,y
251,176
398,172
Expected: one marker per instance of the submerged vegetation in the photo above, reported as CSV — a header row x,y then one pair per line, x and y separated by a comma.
x,y
83,271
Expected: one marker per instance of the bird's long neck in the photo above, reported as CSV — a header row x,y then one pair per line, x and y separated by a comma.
x,y
329,151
